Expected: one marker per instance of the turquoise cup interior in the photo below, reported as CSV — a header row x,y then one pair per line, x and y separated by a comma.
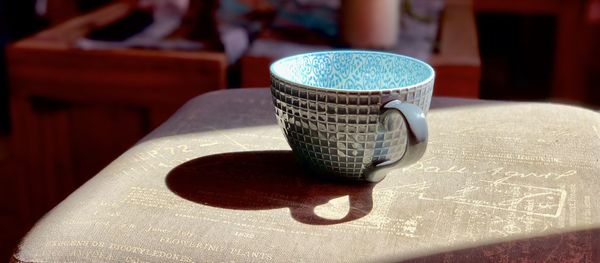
x,y
353,70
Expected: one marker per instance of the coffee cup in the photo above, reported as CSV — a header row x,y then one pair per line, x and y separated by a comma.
x,y
353,114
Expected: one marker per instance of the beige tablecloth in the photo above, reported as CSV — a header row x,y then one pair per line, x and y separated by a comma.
x,y
217,183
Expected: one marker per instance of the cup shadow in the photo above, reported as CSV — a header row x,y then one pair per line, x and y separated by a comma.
x,y
266,180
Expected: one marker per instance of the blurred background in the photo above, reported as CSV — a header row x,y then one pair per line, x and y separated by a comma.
x,y
82,80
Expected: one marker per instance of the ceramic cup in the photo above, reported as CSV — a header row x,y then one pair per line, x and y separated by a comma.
x,y
353,114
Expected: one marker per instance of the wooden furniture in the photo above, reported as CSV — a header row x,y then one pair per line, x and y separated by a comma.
x,y
10,224
74,111
457,62
575,44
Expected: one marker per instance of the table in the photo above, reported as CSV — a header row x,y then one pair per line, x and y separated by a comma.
x,y
499,181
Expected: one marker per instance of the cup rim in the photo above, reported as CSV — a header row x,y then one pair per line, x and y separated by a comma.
x,y
430,78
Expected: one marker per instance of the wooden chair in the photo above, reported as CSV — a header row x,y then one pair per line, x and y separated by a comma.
x,y
74,110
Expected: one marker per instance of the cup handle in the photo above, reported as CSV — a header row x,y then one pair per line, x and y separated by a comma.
x,y
416,144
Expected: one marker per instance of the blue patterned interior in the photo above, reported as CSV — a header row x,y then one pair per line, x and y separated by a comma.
x,y
353,70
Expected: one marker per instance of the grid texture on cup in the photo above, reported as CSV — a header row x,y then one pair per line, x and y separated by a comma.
x,y
340,132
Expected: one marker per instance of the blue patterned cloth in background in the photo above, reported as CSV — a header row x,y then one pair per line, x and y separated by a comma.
x,y
318,16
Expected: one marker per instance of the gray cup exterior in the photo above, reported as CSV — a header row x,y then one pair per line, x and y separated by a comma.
x,y
342,133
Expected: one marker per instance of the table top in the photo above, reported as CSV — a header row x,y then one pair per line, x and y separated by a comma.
x,y
217,181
